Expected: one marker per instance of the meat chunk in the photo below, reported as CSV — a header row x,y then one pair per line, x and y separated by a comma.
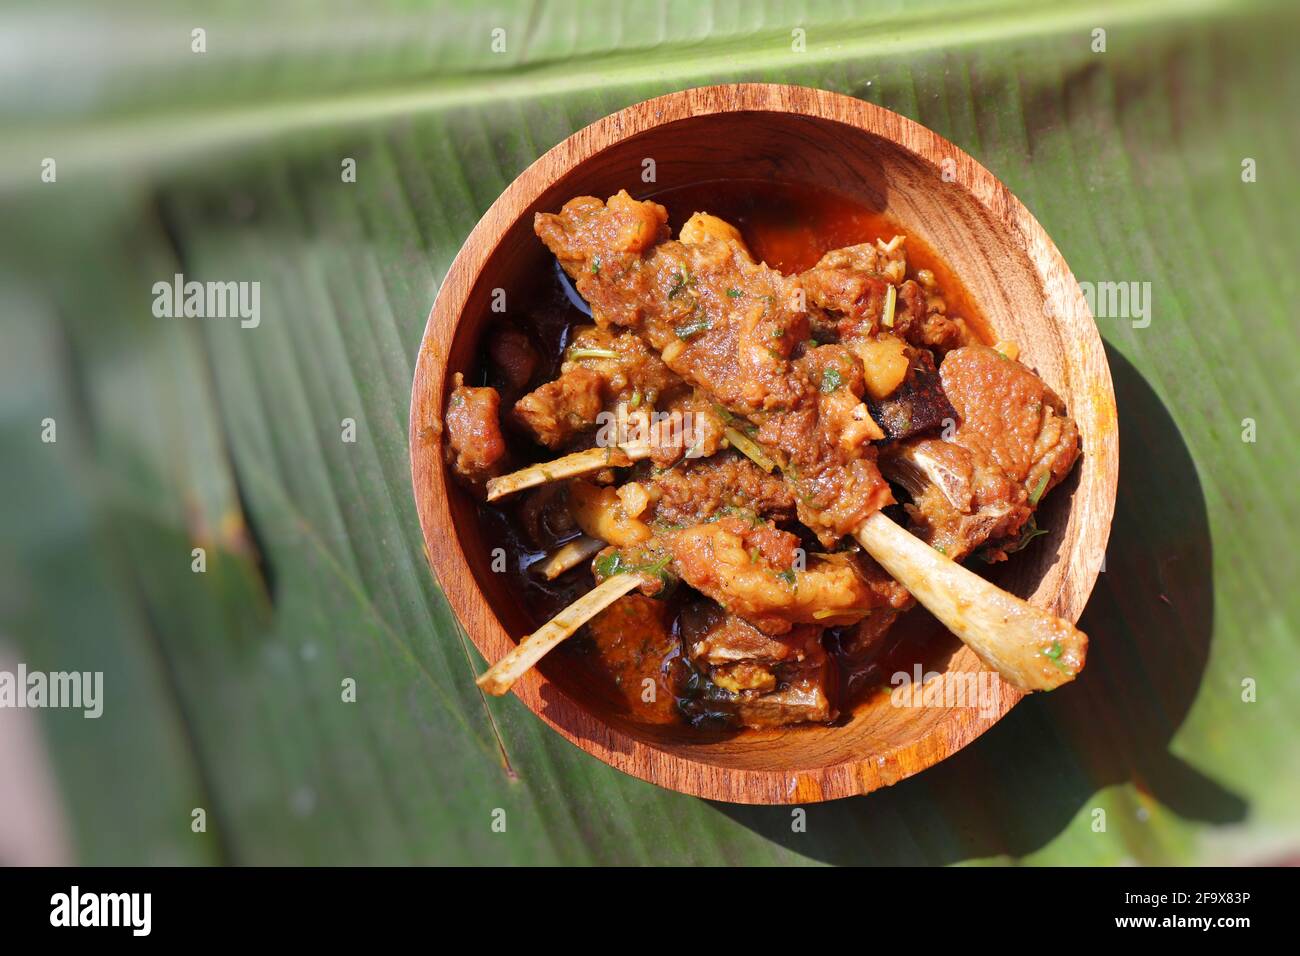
x,y
764,681
848,290
847,287
1008,416
688,427
751,569
632,372
721,321
802,697
474,446
731,328
922,319
1013,443
699,490
843,420
587,231
601,371
729,640
561,408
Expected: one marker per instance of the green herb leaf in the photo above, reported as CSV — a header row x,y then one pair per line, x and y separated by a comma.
x,y
1039,488
691,329
1030,532
831,380
1054,654
680,281
608,565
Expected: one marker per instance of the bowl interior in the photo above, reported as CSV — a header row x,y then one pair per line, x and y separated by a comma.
x,y
989,256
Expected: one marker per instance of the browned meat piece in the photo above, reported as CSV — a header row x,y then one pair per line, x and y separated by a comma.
x,y
633,642
702,226
1007,414
731,327
688,425
514,356
474,447
710,486
699,490
560,409
921,319
802,698
601,371
706,307
631,370
835,493
1013,443
765,681
843,421
729,640
959,500
848,289
750,568
588,229
865,639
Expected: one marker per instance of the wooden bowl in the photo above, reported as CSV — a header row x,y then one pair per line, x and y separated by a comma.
x,y
936,192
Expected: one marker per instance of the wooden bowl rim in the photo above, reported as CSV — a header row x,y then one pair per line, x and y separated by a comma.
x,y
447,558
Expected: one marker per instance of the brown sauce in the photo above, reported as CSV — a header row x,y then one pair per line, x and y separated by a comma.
x,y
788,226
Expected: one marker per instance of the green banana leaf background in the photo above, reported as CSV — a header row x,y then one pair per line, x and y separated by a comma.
x,y
1168,158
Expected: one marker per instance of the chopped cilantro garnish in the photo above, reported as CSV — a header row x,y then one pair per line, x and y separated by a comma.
x,y
608,565
1054,654
831,380
1030,532
1039,488
691,329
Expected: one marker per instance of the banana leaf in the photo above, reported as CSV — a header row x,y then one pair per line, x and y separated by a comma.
x,y
1162,155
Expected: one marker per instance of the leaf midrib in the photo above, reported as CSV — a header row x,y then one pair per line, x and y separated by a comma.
x,y
154,141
